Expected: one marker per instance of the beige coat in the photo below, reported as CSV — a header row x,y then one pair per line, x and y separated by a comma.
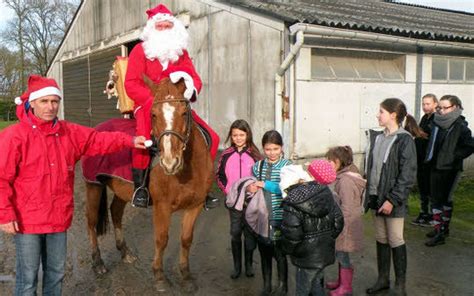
x,y
349,187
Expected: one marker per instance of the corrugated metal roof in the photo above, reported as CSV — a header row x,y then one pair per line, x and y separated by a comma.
x,y
385,17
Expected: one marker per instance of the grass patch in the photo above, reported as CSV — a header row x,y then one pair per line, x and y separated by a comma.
x,y
463,213
4,124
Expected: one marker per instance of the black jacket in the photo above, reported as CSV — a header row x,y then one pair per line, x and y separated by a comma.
x,y
426,124
397,177
451,145
311,223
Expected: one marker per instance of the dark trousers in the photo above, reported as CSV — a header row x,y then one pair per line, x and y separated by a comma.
x,y
443,184
423,178
309,282
237,227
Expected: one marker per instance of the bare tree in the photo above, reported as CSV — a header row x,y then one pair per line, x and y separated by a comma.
x,y
38,28
10,82
14,32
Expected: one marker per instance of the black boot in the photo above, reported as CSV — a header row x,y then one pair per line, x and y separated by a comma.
x,y
250,244
400,268
141,196
248,262
433,233
237,256
266,274
282,267
440,230
438,238
383,267
211,202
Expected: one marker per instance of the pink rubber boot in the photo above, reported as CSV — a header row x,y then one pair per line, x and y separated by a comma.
x,y
345,287
335,284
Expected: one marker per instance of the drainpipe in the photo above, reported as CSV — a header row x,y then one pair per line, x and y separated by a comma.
x,y
279,89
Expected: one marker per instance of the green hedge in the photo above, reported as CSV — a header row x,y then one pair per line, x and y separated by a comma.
x,y
6,106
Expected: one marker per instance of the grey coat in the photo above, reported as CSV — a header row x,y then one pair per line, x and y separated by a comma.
x,y
398,174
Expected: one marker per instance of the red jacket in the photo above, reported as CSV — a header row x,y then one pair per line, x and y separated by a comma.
x,y
37,161
138,64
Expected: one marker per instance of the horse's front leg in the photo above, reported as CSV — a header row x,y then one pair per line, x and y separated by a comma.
x,y
187,229
93,195
116,210
161,222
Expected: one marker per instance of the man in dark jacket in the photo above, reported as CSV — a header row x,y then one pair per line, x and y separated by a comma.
x,y
311,223
429,105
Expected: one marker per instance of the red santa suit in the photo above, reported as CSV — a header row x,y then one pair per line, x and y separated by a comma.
x,y
138,65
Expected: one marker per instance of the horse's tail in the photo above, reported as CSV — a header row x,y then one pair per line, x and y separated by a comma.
x,y
103,218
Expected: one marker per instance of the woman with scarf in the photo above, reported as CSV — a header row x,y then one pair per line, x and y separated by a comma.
x,y
450,142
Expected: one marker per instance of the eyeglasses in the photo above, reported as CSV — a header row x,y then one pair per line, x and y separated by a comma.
x,y
439,108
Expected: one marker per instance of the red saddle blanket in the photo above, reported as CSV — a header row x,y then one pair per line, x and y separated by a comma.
x,y
117,164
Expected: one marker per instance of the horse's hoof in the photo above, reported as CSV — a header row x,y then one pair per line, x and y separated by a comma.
x,y
100,269
162,286
129,258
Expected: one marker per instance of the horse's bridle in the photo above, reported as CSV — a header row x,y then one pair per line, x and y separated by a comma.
x,y
189,122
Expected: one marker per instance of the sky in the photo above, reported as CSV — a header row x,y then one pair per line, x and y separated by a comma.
x,y
461,5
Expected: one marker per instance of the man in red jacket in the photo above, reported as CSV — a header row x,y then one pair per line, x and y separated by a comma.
x,y
37,161
161,54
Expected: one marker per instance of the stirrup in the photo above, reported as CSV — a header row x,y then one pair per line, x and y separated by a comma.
x,y
141,197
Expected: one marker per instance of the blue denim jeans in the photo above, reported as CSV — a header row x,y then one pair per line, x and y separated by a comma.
x,y
31,249
309,281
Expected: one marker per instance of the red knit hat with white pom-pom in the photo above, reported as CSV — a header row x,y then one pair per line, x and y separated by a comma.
x,y
322,171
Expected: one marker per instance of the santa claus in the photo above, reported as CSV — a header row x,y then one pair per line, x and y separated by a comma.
x,y
162,53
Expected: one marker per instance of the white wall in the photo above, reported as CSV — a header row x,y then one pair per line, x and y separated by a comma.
x,y
330,113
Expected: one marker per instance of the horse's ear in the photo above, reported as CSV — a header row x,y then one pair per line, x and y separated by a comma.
x,y
151,85
181,86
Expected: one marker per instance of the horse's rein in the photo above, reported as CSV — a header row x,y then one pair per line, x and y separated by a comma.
x,y
189,123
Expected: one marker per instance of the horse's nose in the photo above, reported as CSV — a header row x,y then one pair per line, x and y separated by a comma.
x,y
171,165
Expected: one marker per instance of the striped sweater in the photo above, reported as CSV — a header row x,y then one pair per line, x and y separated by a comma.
x,y
272,183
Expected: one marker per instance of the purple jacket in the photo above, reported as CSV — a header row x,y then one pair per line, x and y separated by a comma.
x,y
233,165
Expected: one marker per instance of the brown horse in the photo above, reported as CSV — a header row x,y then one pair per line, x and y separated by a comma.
x,y
181,181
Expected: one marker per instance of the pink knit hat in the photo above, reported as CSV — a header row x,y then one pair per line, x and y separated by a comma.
x,y
322,171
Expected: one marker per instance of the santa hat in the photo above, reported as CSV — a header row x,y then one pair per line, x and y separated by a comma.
x,y
160,13
291,175
322,171
39,87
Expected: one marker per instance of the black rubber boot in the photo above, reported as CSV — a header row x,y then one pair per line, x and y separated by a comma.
x,y
438,238
440,230
433,233
237,256
248,262
141,196
383,266
282,266
400,267
211,202
267,275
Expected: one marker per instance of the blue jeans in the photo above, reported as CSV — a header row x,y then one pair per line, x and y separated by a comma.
x,y
309,281
50,249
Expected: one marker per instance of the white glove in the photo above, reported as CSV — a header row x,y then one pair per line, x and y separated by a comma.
x,y
188,81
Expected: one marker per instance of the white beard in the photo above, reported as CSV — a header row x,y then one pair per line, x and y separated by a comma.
x,y
167,45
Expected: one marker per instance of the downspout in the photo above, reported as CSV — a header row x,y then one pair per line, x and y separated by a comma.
x,y
279,89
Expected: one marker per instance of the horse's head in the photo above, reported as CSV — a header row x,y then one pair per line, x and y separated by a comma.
x,y
171,123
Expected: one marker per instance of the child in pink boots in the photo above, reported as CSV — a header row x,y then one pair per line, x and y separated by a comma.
x,y
349,187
